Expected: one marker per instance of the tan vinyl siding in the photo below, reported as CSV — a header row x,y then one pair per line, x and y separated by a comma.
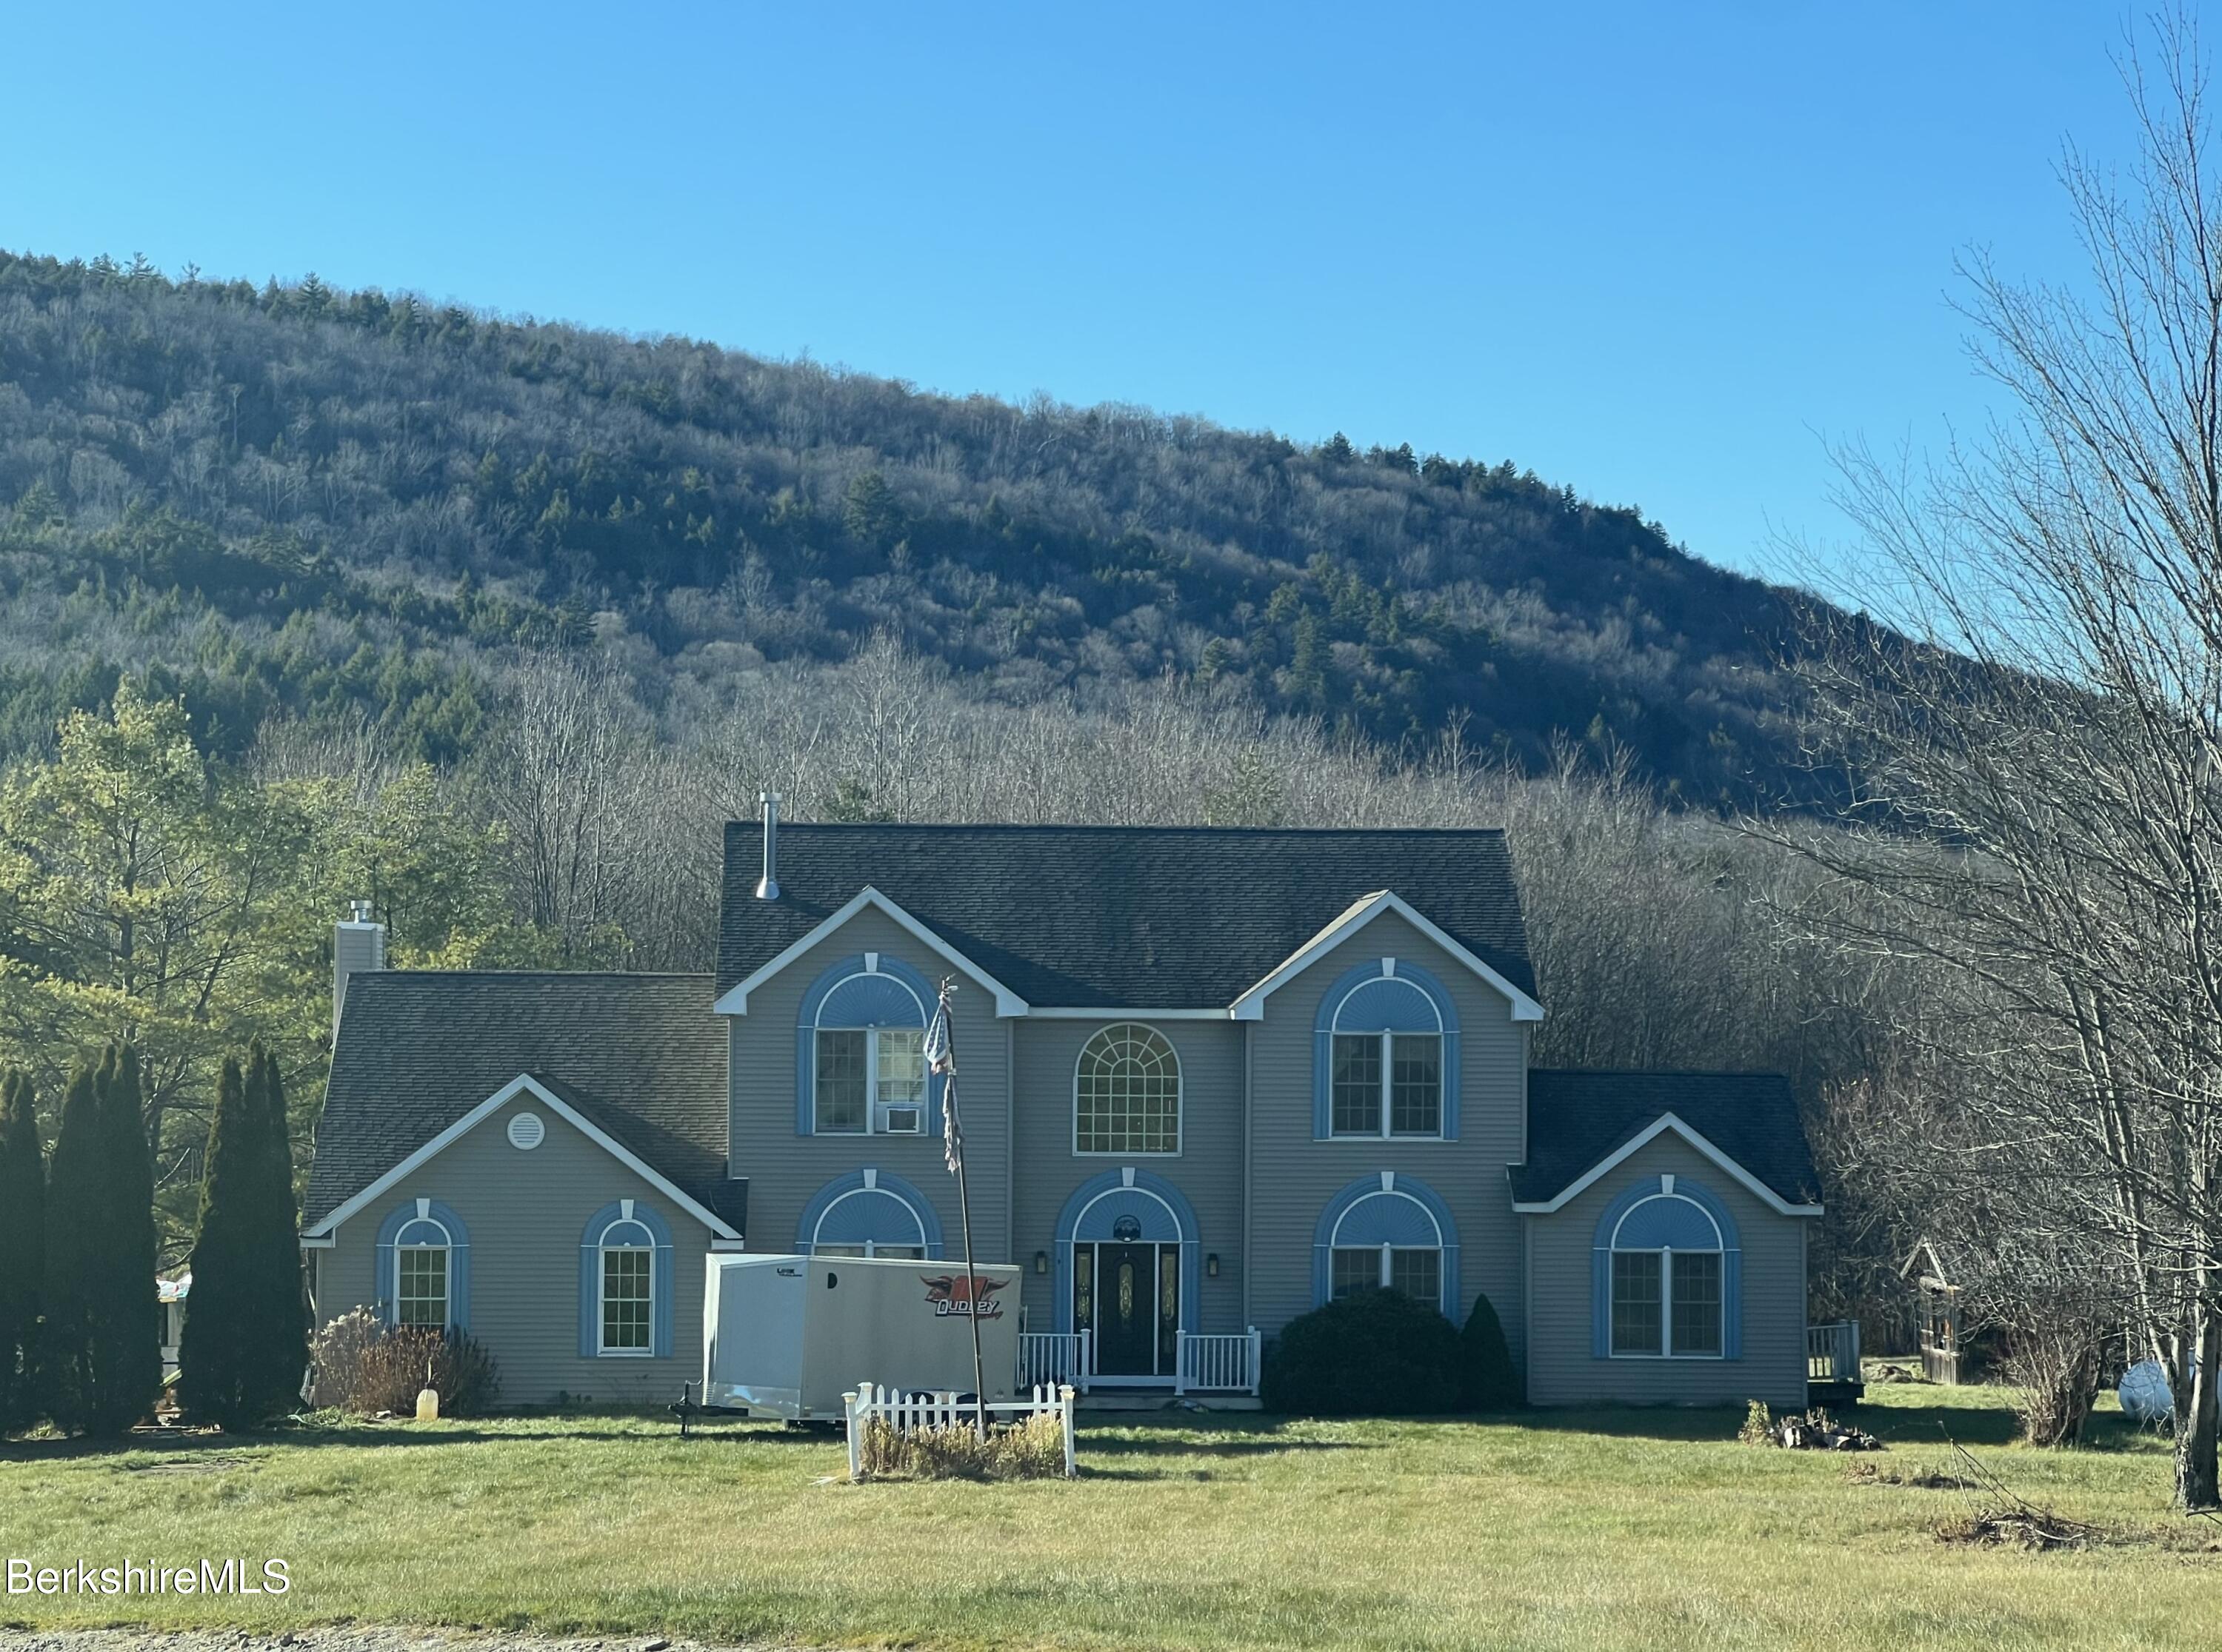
x,y
1208,1170
526,1212
1562,1369
1293,1177
785,1170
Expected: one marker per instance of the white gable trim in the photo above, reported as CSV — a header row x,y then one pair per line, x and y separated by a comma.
x,y
1659,1126
736,999
523,1083
1250,1006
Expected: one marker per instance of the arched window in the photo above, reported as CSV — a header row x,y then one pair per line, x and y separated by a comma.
x,y
1667,1274
1388,1233
423,1266
870,1212
1386,1055
860,1052
625,1283
1127,1094
628,1287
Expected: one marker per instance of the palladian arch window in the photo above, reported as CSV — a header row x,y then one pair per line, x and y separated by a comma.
x,y
1386,1060
1127,1094
1668,1287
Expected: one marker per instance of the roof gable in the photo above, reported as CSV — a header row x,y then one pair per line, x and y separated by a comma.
x,y
547,1094
1073,917
640,1056
1582,1123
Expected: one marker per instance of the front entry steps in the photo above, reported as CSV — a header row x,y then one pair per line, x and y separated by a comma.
x,y
1156,1399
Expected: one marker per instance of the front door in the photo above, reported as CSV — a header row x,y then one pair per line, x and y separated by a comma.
x,y
1130,1297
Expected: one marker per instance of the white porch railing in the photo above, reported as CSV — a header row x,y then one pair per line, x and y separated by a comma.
x,y
907,1412
1217,1365
1052,1357
1832,1351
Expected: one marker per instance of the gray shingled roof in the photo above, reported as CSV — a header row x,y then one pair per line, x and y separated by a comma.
x,y
1164,917
641,1055
1576,1118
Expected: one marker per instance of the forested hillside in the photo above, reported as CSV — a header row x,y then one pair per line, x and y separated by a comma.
x,y
292,499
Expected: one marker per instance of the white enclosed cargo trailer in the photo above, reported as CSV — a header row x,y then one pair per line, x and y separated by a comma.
x,y
785,1336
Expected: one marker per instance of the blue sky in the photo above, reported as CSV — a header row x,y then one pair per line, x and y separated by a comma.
x,y
1658,251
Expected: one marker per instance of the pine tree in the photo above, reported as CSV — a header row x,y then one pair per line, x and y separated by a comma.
x,y
213,1351
77,1202
23,1247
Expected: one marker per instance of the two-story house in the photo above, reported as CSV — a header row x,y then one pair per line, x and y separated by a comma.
x,y
1207,1079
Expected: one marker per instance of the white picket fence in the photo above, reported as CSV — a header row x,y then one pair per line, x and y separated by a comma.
x,y
1217,1364
909,1410
1049,1358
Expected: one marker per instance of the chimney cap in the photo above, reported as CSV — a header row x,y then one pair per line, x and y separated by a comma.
x,y
359,911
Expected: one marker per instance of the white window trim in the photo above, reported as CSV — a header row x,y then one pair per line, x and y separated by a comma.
x,y
1665,1253
602,1249
319,1237
736,999
447,1251
873,1104
1388,1090
1389,1262
870,1188
1180,1099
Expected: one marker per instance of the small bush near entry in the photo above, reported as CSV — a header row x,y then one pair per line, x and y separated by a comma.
x,y
365,1366
1032,1449
1492,1381
1370,1354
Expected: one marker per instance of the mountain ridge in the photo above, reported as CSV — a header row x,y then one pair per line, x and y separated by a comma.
x,y
294,500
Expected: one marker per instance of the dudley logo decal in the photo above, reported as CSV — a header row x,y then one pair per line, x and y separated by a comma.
x,y
964,1293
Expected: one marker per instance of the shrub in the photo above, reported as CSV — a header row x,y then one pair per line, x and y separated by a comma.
x,y
1758,1427
1032,1449
2055,1371
365,1366
1492,1381
1371,1353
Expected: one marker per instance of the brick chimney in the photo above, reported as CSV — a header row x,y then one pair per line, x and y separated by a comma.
x,y
358,944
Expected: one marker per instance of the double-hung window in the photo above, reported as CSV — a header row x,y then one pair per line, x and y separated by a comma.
x,y
1666,1282
1386,1050
871,1081
1388,1084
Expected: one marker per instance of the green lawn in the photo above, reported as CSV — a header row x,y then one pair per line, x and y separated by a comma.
x,y
1627,1529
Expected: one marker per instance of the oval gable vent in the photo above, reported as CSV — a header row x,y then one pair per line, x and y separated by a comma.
x,y
526,1132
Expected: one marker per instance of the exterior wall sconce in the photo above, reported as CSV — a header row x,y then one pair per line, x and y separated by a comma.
x,y
1211,1265
1041,1261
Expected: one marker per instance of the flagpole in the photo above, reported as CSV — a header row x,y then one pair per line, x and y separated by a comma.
x,y
944,1060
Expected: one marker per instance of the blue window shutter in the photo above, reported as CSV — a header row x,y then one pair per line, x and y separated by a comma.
x,y
1450,1084
590,1280
661,1337
459,1280
1322,1085
1732,1303
1601,1303
805,1080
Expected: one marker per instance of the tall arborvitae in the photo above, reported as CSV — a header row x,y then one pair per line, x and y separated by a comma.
x,y
214,1350
77,1227
282,1338
246,1333
22,1249
126,1330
